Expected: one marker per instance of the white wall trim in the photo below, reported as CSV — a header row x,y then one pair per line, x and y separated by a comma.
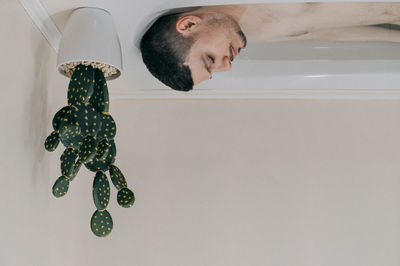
x,y
43,21
259,94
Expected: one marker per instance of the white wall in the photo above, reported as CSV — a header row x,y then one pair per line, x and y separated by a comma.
x,y
257,182
33,228
217,182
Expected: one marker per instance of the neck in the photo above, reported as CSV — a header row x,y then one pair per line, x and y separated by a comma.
x,y
234,11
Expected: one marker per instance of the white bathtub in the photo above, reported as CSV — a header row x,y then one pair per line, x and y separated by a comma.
x,y
300,69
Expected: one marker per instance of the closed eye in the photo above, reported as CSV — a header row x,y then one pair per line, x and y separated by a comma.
x,y
206,61
211,58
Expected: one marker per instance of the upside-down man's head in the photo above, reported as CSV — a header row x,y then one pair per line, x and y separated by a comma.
x,y
182,50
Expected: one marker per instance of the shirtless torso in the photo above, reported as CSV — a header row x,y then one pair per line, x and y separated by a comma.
x,y
316,21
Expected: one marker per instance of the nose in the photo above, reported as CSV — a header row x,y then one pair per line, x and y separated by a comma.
x,y
225,65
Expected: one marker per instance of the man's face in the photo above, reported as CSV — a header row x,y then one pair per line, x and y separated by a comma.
x,y
216,45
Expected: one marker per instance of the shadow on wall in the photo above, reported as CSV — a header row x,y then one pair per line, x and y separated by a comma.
x,y
36,115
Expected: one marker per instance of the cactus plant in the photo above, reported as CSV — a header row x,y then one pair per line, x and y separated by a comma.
x,y
87,131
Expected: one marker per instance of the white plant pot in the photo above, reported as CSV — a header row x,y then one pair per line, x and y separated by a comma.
x,y
90,35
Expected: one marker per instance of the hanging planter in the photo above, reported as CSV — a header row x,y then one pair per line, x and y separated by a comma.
x,y
84,126
90,38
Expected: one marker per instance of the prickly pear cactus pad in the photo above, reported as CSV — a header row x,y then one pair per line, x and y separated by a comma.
x,y
74,171
125,197
67,162
101,191
87,131
108,128
102,149
87,118
52,141
81,85
60,187
73,142
96,164
69,133
59,116
117,177
101,223
88,149
100,100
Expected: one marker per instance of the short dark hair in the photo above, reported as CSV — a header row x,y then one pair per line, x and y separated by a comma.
x,y
164,50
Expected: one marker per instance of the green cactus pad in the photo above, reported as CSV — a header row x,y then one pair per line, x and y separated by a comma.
x,y
99,99
52,141
59,116
75,170
67,162
102,149
70,133
60,187
73,142
125,197
117,177
66,120
108,128
86,118
88,149
101,191
101,223
81,86
97,165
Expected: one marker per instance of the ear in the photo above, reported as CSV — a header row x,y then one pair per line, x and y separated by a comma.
x,y
187,24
